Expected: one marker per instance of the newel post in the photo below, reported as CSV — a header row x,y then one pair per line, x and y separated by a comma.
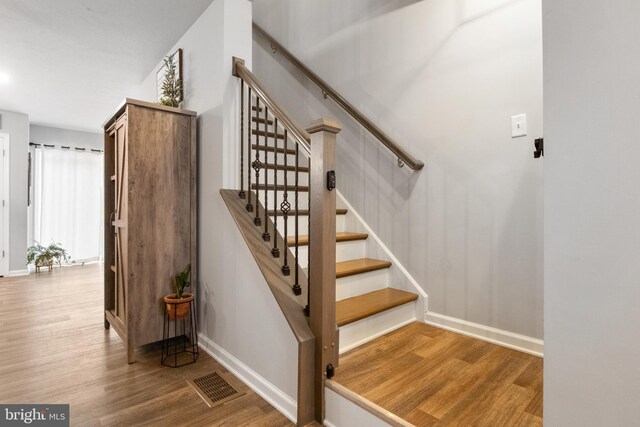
x,y
322,253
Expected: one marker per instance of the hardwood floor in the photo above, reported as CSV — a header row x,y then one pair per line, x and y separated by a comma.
x,y
54,349
433,377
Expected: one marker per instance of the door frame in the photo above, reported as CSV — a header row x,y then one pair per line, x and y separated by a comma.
x,y
6,146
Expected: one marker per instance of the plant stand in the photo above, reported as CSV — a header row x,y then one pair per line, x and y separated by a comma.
x,y
49,266
181,336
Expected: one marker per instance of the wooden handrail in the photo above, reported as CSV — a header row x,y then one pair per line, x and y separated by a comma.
x,y
300,135
386,140
318,357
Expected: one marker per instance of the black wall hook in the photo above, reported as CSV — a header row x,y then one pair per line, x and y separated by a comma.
x,y
539,145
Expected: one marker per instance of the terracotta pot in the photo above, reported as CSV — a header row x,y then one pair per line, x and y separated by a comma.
x,y
178,308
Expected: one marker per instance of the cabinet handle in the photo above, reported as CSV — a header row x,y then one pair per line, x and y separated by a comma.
x,y
111,219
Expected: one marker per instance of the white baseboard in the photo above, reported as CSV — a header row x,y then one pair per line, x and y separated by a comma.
x,y
18,273
343,412
361,332
507,339
276,397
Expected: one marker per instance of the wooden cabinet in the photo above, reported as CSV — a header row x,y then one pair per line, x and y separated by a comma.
x,y
150,215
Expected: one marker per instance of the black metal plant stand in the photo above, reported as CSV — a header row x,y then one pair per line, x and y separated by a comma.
x,y
184,339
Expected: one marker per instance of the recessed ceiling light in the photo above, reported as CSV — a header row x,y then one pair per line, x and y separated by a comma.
x,y
4,78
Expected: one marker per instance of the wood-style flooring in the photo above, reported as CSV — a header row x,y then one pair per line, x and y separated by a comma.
x,y
433,377
54,349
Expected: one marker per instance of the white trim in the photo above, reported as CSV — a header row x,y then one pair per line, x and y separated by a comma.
x,y
276,397
5,263
91,260
340,411
386,250
376,335
501,337
17,273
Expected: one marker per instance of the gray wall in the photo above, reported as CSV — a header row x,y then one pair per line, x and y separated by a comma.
x,y
17,126
443,78
68,137
592,212
237,311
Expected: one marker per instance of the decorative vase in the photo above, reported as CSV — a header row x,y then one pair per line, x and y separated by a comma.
x,y
178,308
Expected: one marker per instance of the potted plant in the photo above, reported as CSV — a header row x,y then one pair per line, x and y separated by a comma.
x,y
178,303
172,84
43,256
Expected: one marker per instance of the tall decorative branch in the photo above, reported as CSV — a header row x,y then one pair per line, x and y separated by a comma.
x,y
172,85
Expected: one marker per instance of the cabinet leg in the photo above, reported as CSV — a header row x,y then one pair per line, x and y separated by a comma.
x,y
107,325
131,355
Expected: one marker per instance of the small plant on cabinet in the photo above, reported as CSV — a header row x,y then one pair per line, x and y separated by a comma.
x,y
172,90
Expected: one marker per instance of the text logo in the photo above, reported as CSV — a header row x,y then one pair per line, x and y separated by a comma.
x,y
34,415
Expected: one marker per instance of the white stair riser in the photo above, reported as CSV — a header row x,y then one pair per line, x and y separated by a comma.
x,y
260,126
259,139
345,251
303,224
359,284
303,178
270,158
362,331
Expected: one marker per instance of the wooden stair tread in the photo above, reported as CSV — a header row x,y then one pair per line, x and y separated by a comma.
x,y
261,120
272,149
302,188
362,306
342,236
359,266
290,168
302,212
269,134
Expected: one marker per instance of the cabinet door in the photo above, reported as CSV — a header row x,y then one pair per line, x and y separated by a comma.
x,y
120,218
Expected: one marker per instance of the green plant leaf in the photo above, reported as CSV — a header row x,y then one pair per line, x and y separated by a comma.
x,y
181,280
40,255
171,86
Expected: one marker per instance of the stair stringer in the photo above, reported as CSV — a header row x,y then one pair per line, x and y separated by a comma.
x,y
291,307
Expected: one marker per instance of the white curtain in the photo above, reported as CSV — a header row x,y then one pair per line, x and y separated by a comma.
x,y
68,201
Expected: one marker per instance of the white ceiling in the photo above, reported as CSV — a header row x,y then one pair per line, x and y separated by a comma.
x,y
71,62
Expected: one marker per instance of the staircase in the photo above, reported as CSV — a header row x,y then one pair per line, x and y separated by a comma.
x,y
288,196
366,303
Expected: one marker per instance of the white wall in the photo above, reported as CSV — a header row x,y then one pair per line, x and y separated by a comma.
x,y
67,137
237,311
592,211
443,78
17,126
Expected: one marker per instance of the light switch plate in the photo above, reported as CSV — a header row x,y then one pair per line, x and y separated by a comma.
x,y
518,125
